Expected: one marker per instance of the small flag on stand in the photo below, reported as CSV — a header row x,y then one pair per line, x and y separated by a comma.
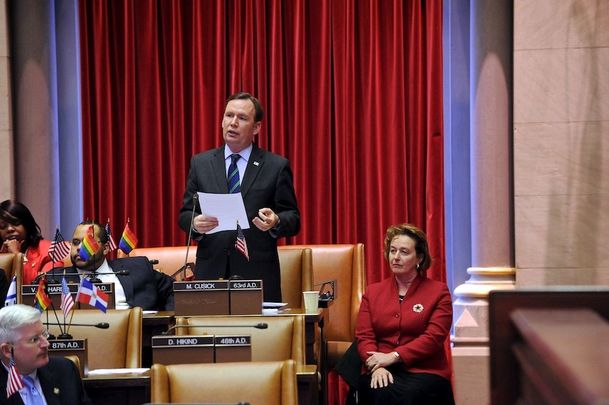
x,y
67,302
42,299
14,382
240,243
11,295
128,240
111,243
59,249
88,293
89,245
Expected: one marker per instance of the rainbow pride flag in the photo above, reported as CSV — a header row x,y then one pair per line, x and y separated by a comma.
x,y
42,299
89,245
128,240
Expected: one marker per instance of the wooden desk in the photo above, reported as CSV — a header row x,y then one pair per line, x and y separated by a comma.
x,y
153,325
119,389
563,356
503,333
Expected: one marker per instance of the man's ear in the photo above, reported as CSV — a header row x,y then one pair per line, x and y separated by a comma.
x,y
5,349
106,249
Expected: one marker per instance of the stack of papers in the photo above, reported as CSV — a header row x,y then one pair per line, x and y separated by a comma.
x,y
273,308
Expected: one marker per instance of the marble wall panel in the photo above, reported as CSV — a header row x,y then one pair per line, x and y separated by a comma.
x,y
543,24
561,158
562,231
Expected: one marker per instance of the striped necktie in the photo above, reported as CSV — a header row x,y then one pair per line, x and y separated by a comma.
x,y
234,184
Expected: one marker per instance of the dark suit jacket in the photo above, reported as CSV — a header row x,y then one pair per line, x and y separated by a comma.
x,y
419,325
60,384
144,287
268,183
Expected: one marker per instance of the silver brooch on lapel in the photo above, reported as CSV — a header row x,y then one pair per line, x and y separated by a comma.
x,y
417,307
56,391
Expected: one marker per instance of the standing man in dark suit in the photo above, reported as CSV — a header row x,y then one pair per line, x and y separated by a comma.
x,y
23,336
266,184
136,283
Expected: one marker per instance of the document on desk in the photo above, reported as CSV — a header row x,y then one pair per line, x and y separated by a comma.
x,y
228,208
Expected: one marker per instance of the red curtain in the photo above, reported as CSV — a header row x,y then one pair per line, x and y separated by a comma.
x,y
352,92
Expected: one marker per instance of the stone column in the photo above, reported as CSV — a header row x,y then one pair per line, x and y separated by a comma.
x,y
491,194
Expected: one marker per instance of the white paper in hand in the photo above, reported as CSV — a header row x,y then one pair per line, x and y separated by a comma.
x,y
228,208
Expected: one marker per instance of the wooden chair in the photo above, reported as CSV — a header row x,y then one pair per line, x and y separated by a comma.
x,y
170,258
282,340
345,264
119,346
295,263
296,274
12,264
257,383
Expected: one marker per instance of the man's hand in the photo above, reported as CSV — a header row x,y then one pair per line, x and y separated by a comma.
x,y
266,219
203,223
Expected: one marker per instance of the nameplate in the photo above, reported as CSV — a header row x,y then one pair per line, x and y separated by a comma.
x,y
200,285
160,342
246,284
67,344
232,340
55,289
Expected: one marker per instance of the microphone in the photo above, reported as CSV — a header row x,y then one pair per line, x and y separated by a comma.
x,y
99,325
118,273
260,325
195,200
66,336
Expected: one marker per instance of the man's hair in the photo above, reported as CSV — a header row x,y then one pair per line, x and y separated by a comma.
x,y
259,112
14,317
103,235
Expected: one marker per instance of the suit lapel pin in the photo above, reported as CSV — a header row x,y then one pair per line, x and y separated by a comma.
x,y
417,307
56,391
256,163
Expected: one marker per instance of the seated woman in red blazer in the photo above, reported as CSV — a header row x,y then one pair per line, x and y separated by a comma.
x,y
402,326
19,232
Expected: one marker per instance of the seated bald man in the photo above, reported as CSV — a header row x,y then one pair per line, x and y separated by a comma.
x,y
53,380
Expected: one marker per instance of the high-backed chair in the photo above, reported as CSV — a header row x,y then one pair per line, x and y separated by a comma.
x,y
257,383
296,274
345,264
282,340
295,264
119,346
12,264
170,258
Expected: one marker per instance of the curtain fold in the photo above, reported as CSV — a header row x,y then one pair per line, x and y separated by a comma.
x,y
352,93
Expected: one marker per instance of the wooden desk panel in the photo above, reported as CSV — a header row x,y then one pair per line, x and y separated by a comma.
x,y
118,389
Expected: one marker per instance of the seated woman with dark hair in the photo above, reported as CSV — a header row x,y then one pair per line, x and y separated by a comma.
x,y
19,233
402,327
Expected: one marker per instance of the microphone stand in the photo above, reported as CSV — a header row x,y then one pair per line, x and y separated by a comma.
x,y
260,325
195,199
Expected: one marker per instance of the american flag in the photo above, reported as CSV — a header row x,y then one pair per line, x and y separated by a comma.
x,y
59,248
14,382
67,302
240,243
111,243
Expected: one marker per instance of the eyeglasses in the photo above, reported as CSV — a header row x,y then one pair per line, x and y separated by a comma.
x,y
36,339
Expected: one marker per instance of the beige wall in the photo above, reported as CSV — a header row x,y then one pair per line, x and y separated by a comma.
x,y
561,141
7,176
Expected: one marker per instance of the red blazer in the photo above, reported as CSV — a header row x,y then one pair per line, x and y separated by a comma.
x,y
415,328
37,260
